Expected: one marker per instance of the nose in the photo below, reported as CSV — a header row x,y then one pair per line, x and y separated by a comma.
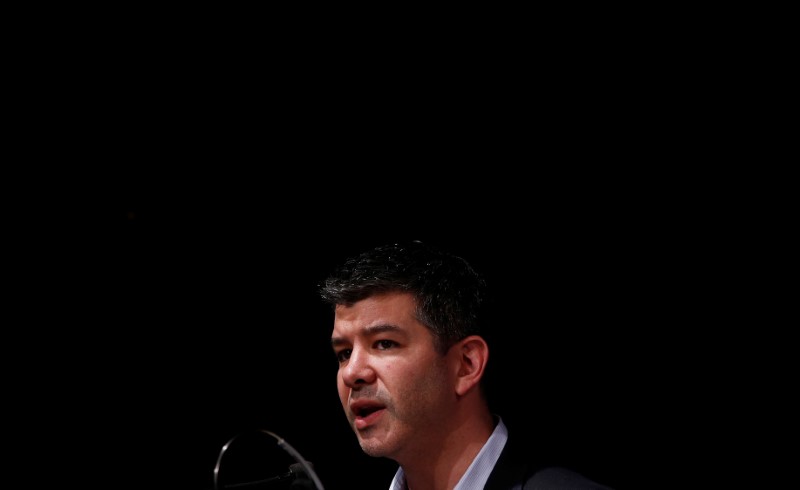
x,y
358,371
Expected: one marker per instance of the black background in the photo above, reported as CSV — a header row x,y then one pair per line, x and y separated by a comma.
x,y
189,176
213,187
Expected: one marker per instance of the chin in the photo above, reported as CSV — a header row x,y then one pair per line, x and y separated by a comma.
x,y
374,446
374,450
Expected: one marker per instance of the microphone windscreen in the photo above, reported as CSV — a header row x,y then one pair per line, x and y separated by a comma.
x,y
298,470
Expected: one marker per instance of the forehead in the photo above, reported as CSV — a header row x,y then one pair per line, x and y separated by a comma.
x,y
395,309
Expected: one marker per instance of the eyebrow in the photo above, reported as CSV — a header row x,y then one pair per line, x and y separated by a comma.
x,y
369,331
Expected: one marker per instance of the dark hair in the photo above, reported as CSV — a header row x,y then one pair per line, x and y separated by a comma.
x,y
449,294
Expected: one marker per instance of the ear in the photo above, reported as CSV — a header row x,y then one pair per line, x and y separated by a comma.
x,y
473,353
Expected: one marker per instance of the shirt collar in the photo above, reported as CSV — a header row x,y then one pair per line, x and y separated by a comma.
x,y
479,470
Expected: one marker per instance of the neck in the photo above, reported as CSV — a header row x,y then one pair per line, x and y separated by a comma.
x,y
444,459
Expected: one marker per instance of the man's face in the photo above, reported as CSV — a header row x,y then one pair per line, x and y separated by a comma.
x,y
395,388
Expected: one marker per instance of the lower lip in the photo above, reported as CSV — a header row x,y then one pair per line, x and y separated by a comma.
x,y
364,422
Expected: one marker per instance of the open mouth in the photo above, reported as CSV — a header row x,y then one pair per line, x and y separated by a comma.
x,y
366,413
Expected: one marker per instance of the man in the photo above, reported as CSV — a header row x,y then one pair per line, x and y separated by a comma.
x,y
407,334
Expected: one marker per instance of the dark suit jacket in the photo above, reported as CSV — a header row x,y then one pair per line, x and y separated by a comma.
x,y
517,467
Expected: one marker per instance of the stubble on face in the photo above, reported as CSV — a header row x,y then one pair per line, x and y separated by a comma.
x,y
414,412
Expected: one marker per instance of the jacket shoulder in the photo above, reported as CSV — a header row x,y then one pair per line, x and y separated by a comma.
x,y
559,478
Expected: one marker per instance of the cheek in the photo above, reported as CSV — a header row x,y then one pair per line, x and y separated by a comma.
x,y
403,376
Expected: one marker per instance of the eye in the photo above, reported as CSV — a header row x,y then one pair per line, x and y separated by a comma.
x,y
343,355
385,344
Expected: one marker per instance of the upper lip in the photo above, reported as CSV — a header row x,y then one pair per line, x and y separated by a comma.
x,y
364,407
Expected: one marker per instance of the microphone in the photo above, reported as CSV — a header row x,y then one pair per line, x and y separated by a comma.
x,y
301,474
296,471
